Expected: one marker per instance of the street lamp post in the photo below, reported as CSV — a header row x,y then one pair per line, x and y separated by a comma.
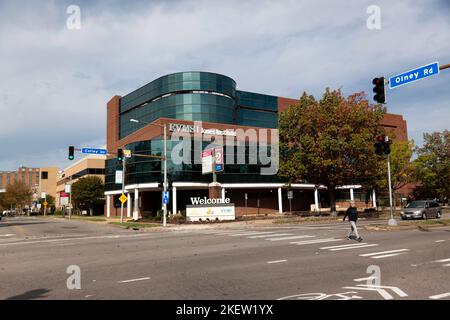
x,y
165,163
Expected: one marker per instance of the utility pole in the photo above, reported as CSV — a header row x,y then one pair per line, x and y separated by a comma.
x,y
392,221
165,175
123,188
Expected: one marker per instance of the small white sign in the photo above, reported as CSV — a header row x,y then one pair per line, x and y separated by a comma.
x,y
119,176
43,195
211,213
207,161
67,188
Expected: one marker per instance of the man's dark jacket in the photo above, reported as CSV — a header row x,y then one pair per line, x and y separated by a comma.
x,y
352,214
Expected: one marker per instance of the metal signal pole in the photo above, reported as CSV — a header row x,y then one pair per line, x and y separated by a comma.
x,y
392,221
123,188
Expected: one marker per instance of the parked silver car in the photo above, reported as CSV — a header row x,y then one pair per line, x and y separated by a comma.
x,y
421,210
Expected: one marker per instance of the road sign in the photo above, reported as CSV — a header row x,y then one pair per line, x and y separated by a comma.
x,y
45,203
414,75
290,194
67,188
123,198
94,151
43,195
127,153
218,153
165,197
119,176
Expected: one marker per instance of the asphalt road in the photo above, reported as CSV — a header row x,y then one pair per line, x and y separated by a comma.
x,y
219,262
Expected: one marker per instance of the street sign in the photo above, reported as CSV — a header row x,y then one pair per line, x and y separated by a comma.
x,y
67,188
207,161
123,198
127,153
94,151
414,75
290,194
218,153
119,176
43,195
165,197
45,203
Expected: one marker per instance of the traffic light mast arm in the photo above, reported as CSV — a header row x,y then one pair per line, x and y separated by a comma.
x,y
445,66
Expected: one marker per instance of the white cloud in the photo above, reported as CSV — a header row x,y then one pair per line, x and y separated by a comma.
x,y
55,82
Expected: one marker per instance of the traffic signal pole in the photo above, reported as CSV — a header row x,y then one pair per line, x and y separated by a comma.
x,y
123,188
392,221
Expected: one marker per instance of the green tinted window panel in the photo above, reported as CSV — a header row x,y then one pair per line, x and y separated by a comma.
x,y
178,82
257,100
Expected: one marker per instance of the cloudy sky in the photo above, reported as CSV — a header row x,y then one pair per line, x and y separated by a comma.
x,y
55,82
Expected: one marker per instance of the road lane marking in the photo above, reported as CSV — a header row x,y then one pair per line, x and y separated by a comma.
x,y
291,238
133,280
387,255
253,233
439,240
7,235
68,239
381,252
300,243
276,261
440,296
355,247
269,235
442,260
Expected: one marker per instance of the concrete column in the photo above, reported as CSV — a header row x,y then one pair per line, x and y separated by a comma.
x,y
128,205
316,199
174,200
223,193
374,198
136,205
108,206
280,201
352,196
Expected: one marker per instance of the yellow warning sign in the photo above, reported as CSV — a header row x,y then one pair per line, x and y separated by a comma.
x,y
45,203
123,198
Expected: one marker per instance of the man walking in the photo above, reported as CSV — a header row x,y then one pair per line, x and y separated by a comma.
x,y
352,214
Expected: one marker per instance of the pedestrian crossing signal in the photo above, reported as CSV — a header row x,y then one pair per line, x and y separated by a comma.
x,y
71,152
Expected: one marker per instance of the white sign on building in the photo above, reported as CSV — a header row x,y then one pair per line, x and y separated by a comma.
x,y
207,161
119,176
210,212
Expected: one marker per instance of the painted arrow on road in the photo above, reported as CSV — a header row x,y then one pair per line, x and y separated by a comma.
x,y
380,289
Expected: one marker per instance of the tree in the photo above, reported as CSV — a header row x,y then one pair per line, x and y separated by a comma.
x,y
330,141
402,168
432,166
17,195
50,201
86,192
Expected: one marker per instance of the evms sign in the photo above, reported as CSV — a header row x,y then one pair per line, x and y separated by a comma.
x,y
414,75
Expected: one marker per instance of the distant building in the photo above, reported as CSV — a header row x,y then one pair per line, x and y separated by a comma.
x,y
39,180
93,165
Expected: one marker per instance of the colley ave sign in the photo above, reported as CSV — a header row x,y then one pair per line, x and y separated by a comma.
x,y
176,127
205,200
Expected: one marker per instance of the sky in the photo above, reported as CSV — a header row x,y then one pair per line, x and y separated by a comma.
x,y
55,81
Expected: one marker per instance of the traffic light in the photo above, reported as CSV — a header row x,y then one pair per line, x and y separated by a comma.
x,y
379,145
379,90
71,152
383,145
386,146
119,155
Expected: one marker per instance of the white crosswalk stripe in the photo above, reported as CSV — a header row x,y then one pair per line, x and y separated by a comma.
x,y
358,246
442,261
301,243
270,235
253,233
290,238
384,254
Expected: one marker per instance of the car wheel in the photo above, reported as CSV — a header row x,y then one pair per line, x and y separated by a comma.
x,y
424,216
438,216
